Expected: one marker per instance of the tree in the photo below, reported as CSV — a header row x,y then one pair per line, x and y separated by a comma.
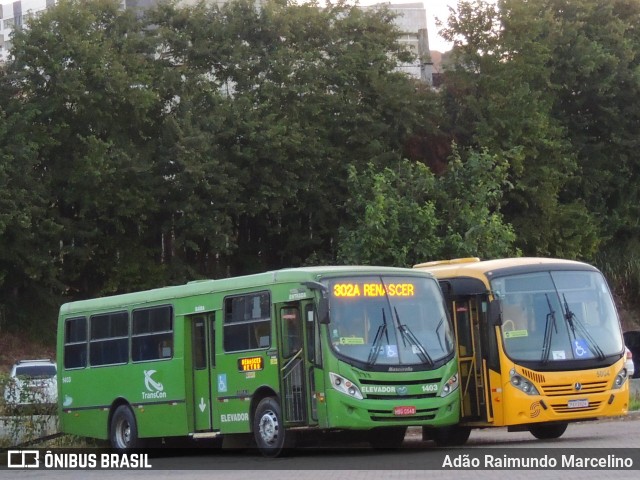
x,y
407,215
83,71
195,142
501,97
307,93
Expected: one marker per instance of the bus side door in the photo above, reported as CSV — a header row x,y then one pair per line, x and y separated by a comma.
x,y
314,371
473,382
293,388
203,358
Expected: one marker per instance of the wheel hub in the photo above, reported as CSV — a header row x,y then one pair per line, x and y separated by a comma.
x,y
269,427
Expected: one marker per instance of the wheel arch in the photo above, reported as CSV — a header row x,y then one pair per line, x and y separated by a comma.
x,y
118,402
261,393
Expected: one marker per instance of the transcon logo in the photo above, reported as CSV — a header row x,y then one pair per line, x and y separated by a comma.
x,y
155,388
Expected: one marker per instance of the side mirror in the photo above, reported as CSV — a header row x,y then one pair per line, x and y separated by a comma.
x,y
495,316
323,309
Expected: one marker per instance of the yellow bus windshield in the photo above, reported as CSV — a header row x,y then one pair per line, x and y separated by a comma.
x,y
551,316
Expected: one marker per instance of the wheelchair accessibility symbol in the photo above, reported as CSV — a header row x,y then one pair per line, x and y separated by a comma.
x,y
222,382
580,348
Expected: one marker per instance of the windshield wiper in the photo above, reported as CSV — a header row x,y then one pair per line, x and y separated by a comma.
x,y
377,340
440,323
407,334
576,324
550,326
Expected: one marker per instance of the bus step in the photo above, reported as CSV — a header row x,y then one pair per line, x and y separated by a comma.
x,y
198,435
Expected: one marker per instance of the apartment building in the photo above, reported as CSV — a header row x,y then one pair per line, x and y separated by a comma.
x,y
13,15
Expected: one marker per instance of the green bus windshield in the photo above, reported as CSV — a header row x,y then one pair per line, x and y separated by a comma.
x,y
389,320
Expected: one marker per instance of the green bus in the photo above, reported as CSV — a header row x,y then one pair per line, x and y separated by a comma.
x,y
264,357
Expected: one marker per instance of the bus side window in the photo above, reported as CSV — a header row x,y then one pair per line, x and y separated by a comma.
x,y
152,337
247,322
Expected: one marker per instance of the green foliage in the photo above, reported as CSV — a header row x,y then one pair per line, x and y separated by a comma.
x,y
406,215
210,140
188,142
502,98
470,194
388,208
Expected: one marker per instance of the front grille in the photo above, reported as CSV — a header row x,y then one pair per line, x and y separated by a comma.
x,y
569,389
421,381
395,396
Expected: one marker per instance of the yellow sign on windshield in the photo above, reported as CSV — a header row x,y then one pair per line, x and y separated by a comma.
x,y
373,290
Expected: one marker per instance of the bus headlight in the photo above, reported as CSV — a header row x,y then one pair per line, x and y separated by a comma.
x,y
345,386
621,377
523,384
450,387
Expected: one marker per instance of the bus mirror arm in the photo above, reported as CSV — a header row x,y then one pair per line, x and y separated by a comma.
x,y
495,317
323,304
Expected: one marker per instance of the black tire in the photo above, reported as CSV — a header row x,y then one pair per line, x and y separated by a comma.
x,y
453,436
548,432
123,432
268,429
387,438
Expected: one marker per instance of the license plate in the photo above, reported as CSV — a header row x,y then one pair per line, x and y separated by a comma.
x,y
578,403
404,411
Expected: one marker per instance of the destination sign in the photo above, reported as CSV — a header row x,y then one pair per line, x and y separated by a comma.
x,y
373,290
250,364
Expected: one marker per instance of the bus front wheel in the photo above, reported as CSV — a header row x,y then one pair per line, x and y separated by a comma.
x,y
268,428
124,430
548,432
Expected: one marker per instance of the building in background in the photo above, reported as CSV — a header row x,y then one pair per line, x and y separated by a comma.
x,y
412,23
411,20
13,15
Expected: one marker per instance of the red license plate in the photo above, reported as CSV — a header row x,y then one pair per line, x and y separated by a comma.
x,y
404,411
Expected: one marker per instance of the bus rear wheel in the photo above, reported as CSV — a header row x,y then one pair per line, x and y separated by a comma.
x,y
548,432
123,433
268,428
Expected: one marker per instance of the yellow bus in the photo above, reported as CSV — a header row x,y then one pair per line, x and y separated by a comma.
x,y
539,345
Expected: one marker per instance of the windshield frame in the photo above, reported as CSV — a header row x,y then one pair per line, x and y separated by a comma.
x,y
393,328
562,317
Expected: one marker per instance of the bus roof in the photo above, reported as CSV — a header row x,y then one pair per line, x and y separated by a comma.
x,y
201,287
474,267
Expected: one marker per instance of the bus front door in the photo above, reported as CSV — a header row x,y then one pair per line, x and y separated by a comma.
x,y
466,315
293,361
203,358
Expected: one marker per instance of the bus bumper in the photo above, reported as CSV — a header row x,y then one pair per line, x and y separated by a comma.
x,y
350,413
537,409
